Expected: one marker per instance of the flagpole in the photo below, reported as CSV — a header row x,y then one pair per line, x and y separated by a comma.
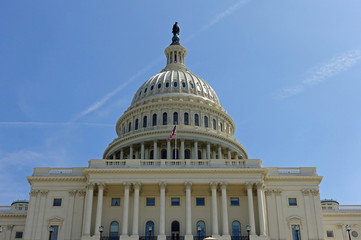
x,y
175,143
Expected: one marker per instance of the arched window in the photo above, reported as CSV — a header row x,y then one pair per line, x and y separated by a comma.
x,y
175,118
196,120
221,126
154,123
199,154
145,121
201,230
174,154
165,118
136,124
164,154
214,124
236,230
205,121
149,229
175,230
114,230
187,154
130,127
186,120
151,154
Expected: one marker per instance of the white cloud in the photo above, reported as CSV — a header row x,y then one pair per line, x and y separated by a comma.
x,y
332,67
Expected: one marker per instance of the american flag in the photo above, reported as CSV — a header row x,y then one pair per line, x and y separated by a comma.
x,y
172,133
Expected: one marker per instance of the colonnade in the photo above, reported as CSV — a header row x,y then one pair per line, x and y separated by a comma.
x,y
155,149
188,209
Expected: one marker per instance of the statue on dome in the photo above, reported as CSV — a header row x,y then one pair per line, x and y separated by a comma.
x,y
175,31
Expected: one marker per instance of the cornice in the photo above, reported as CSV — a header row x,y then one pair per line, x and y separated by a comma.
x,y
328,214
294,178
32,179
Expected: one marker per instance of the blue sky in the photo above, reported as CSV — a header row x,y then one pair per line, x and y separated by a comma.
x,y
287,72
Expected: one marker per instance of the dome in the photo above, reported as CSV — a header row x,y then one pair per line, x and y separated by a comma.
x,y
175,79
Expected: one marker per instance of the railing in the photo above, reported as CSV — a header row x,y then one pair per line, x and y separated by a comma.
x,y
342,208
175,238
240,238
302,171
109,238
148,238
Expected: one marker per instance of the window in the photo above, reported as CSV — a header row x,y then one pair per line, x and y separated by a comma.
x,y
221,127
175,201
114,229
165,118
236,230
187,154
149,229
196,120
186,120
57,202
54,234
159,85
292,202
136,124
151,201
163,154
130,127
183,84
200,202
174,154
19,235
167,84
205,121
154,120
175,118
115,201
199,155
145,90
151,88
329,233
192,86
140,93
145,121
175,84
234,201
214,124
296,235
201,230
151,154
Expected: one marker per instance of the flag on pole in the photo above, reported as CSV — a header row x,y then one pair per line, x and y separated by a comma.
x,y
172,133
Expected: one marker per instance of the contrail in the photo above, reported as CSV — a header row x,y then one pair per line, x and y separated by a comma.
x,y
50,124
334,66
104,99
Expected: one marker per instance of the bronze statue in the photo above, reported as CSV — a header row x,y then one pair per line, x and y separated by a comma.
x,y
175,30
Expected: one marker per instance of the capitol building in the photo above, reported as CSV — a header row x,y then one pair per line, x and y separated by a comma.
x,y
175,172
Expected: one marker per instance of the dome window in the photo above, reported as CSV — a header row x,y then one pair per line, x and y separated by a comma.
x,y
163,154
136,124
130,127
175,84
221,126
186,119
154,123
175,118
145,90
140,93
187,154
165,118
205,121
145,121
159,85
214,124
167,84
192,86
151,88
196,120
183,84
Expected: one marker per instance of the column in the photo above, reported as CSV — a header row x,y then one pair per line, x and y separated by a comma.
x,y
281,222
131,152
161,234
220,152
195,150
182,150
98,218
31,212
229,154
204,153
261,209
136,209
89,205
317,212
188,211
39,227
69,214
168,150
142,150
250,208
214,210
125,209
224,209
155,150
122,154
208,151
308,212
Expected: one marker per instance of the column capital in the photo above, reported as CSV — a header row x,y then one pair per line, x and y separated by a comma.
x,y
44,192
249,185
213,185
90,185
277,191
305,192
101,185
188,184
162,184
268,192
223,185
137,185
314,192
81,193
126,185
33,193
260,185
72,193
